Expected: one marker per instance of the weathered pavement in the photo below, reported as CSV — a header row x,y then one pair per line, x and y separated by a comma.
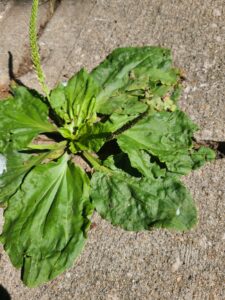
x,y
148,265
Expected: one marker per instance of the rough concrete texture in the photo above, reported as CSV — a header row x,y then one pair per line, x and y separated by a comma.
x,y
14,28
5,5
158,264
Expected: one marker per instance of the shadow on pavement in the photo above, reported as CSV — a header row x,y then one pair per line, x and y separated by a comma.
x,y
4,295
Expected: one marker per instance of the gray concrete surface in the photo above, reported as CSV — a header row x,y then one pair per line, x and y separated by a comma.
x,y
159,264
14,29
5,5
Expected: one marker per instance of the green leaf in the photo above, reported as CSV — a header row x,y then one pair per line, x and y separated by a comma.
x,y
17,166
168,137
140,203
145,163
183,162
46,220
155,74
94,136
165,135
121,103
130,75
23,117
75,102
114,70
160,133
201,156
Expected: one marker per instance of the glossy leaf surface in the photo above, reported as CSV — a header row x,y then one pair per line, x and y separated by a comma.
x,y
17,166
47,219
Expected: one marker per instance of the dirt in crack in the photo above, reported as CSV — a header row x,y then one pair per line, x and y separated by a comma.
x,y
221,149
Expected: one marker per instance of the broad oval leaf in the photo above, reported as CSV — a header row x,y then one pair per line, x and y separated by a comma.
x,y
140,203
128,75
111,72
47,219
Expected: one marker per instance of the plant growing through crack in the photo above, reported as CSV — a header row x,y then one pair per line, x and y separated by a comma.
x,y
124,121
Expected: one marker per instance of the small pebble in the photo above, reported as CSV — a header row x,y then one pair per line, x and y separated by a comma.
x,y
176,265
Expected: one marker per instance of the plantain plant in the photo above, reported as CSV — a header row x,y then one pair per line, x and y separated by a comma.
x,y
123,120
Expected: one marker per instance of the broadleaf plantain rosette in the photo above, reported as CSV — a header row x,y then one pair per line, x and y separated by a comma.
x,y
124,121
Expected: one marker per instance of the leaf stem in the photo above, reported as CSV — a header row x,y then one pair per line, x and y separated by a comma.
x,y
53,146
128,125
96,163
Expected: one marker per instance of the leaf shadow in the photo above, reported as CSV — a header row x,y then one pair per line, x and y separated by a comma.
x,y
11,71
35,93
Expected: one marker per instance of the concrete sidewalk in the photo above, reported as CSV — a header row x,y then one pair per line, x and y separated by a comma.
x,y
149,265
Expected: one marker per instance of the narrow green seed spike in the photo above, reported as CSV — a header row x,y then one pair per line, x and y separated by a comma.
x,y
35,49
